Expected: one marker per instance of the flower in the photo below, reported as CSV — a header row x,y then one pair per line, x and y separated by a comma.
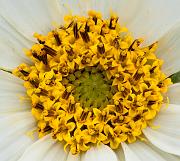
x,y
19,21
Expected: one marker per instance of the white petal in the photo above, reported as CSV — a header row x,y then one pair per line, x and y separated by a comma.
x,y
11,46
13,136
73,157
30,16
12,93
55,153
120,154
139,151
99,153
45,149
81,7
169,50
174,93
167,136
154,18
144,18
169,157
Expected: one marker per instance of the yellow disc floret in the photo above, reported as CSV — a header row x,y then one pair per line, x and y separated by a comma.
x,y
91,83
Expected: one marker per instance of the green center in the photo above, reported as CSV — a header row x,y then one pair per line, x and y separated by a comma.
x,y
92,88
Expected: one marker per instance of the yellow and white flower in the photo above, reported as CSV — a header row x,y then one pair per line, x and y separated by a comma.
x,y
74,126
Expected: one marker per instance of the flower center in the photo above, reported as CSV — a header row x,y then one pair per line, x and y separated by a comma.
x,y
92,88
91,83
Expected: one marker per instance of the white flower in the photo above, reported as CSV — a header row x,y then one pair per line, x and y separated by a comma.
x,y
154,20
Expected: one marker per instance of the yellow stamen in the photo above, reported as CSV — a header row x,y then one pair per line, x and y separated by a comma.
x,y
91,84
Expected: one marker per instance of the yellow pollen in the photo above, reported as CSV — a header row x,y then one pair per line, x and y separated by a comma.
x,y
91,83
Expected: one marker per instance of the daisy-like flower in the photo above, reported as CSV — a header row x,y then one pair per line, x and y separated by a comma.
x,y
94,82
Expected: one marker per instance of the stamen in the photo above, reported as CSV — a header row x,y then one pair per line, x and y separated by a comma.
x,y
95,20
75,30
116,43
40,41
51,113
35,83
113,22
101,32
70,51
71,108
137,76
70,25
39,106
101,48
44,92
42,58
137,117
24,72
47,128
125,92
90,84
135,44
49,50
86,27
85,36
151,103
152,69
119,108
66,95
56,36
122,56
83,116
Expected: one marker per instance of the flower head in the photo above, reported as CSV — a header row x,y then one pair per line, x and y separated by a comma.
x,y
90,84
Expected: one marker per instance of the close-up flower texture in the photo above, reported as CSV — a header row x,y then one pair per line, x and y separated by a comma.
x,y
89,80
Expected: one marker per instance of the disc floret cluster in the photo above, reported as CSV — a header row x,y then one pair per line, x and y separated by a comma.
x,y
90,82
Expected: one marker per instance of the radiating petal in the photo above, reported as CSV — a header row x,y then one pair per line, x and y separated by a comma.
x,y
167,136
45,149
30,16
120,154
71,157
12,94
13,136
169,157
139,151
11,46
100,153
144,18
153,19
169,50
81,7
174,93
55,153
